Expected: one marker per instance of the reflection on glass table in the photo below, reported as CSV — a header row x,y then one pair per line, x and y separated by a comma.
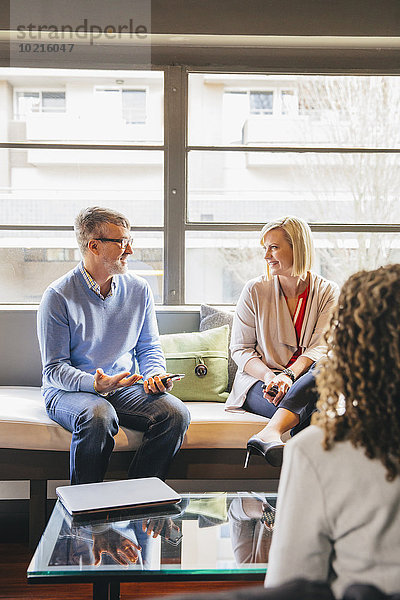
x,y
252,520
212,536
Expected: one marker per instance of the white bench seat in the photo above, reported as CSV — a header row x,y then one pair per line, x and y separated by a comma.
x,y
24,424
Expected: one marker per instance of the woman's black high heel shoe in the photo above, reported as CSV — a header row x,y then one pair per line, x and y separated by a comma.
x,y
271,451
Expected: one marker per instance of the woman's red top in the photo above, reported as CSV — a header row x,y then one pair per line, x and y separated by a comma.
x,y
298,318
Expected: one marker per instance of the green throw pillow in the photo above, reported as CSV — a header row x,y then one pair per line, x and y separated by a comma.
x,y
188,353
211,317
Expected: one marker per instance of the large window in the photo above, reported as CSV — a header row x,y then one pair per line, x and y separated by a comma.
x,y
325,148
240,149
100,141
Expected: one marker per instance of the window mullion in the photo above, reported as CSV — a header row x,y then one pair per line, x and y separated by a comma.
x,y
174,184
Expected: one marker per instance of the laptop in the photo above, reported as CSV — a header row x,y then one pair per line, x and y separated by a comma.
x,y
116,495
121,515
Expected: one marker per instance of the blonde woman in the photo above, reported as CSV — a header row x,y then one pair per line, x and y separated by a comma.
x,y
277,336
338,517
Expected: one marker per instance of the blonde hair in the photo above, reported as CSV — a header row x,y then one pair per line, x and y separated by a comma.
x,y
298,234
362,368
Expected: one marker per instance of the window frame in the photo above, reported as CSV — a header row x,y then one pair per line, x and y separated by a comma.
x,y
176,150
315,227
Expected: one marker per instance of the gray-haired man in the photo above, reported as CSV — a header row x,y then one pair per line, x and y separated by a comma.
x,y
92,324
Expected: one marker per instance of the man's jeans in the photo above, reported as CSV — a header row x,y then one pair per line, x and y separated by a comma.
x,y
93,421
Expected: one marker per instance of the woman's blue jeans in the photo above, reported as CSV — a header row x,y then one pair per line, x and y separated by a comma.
x,y
300,399
93,421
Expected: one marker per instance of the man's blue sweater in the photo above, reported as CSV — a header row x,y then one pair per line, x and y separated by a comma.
x,y
79,332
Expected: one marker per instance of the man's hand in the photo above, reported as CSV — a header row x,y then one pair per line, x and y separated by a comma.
x,y
109,383
120,548
153,527
154,385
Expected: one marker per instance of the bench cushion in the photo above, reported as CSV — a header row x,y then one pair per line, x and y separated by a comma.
x,y
24,424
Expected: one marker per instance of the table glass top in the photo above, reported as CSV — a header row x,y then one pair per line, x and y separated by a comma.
x,y
206,534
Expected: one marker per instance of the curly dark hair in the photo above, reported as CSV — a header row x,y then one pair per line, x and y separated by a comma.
x,y
359,379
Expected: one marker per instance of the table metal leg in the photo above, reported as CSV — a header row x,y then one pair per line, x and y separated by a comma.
x,y
106,590
37,511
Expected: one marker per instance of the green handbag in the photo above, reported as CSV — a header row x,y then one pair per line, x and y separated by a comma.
x,y
203,357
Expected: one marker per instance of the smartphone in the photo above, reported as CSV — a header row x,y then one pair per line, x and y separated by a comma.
x,y
175,377
170,532
174,537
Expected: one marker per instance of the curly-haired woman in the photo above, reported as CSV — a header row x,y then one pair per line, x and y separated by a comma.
x,y
338,512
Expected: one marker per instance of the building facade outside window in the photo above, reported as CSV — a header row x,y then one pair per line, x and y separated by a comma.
x,y
255,146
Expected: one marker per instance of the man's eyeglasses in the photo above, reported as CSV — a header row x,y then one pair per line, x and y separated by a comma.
x,y
123,242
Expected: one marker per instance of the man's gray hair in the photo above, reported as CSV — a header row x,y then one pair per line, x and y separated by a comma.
x,y
89,224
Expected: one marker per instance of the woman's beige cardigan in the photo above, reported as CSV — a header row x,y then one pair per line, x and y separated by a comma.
x,y
263,328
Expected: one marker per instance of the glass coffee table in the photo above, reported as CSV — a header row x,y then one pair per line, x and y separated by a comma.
x,y
212,536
